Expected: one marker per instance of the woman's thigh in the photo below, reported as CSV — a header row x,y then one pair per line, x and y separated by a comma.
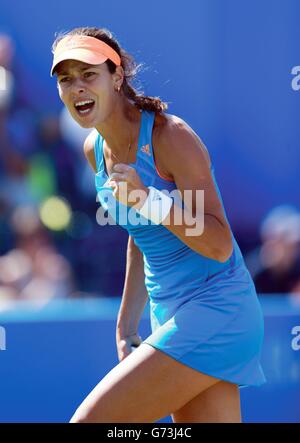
x,y
218,404
144,387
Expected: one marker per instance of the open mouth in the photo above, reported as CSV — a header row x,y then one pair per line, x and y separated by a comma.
x,y
84,107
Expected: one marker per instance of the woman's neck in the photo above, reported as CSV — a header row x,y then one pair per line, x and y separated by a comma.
x,y
121,128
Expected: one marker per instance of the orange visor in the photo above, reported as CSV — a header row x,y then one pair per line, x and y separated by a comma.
x,y
84,49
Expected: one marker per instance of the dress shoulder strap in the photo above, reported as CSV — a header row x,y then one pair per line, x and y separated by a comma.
x,y
145,152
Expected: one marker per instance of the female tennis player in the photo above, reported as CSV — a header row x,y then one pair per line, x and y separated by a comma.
x,y
207,324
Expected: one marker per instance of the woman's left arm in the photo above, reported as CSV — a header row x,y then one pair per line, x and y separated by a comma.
x,y
185,158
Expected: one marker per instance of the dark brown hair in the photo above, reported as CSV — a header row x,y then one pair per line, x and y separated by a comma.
x,y
129,66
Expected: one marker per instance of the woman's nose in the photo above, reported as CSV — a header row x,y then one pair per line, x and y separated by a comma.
x,y
78,86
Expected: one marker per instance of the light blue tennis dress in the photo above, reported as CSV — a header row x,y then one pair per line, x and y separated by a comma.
x,y
204,313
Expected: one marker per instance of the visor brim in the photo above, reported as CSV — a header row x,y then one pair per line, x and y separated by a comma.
x,y
81,55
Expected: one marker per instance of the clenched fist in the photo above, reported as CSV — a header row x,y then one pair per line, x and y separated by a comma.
x,y
127,186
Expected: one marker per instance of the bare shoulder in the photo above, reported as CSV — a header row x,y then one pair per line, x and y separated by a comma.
x,y
88,148
176,141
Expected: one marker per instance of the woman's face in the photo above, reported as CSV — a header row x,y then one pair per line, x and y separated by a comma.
x,y
87,91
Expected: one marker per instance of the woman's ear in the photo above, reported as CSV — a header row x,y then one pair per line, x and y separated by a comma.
x,y
118,77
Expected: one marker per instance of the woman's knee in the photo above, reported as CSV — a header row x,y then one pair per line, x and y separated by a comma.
x,y
85,415
81,416
90,411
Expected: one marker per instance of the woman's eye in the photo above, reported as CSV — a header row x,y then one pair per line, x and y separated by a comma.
x,y
89,74
64,79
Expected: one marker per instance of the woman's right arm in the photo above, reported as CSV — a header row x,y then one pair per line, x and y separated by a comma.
x,y
135,295
133,302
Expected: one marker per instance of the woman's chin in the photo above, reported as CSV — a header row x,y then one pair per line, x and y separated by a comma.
x,y
85,122
85,119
